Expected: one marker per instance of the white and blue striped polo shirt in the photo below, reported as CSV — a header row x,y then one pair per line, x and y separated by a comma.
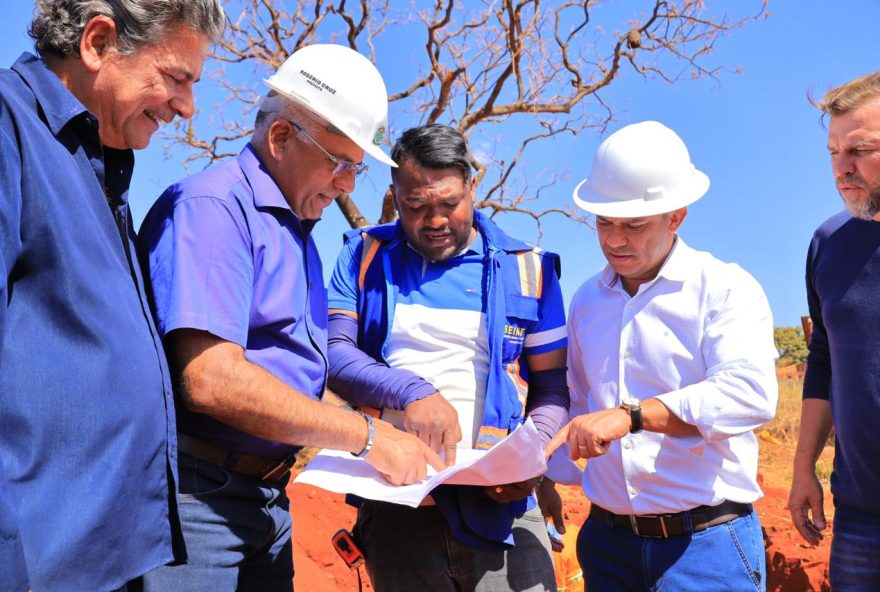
x,y
439,329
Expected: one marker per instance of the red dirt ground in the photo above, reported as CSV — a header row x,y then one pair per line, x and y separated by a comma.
x,y
317,514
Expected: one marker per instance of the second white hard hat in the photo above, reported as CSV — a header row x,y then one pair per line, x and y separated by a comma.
x,y
640,170
342,87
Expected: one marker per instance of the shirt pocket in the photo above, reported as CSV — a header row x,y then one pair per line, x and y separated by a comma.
x,y
521,307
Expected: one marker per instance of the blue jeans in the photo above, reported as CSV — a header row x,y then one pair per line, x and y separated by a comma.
x,y
855,551
236,530
409,549
727,557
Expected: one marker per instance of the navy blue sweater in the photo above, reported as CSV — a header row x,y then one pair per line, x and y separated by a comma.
x,y
843,292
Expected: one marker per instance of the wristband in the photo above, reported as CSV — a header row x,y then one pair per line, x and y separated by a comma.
x,y
370,437
633,406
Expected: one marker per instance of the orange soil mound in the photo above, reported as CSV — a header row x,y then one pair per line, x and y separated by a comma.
x,y
317,514
793,565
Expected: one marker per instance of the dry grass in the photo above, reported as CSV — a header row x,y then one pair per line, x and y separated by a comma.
x,y
303,457
778,439
785,425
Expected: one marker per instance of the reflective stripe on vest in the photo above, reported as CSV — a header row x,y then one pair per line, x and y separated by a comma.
x,y
530,280
371,246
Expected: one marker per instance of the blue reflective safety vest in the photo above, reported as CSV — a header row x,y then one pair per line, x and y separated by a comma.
x,y
514,275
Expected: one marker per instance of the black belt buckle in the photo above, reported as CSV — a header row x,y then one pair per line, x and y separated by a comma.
x,y
281,469
661,518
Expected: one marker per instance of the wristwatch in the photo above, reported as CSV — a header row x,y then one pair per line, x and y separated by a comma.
x,y
634,407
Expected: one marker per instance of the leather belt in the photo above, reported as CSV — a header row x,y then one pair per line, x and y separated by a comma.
x,y
242,463
669,525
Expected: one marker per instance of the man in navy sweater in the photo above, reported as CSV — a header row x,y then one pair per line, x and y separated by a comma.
x,y
842,384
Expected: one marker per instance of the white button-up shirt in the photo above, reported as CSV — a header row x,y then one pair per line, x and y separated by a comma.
x,y
699,337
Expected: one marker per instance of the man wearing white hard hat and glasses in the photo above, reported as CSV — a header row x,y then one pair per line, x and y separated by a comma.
x,y
238,293
671,363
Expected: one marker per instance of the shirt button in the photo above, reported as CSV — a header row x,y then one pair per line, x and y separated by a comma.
x,y
625,354
633,492
627,444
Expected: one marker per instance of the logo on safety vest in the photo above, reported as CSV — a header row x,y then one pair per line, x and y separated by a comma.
x,y
514,334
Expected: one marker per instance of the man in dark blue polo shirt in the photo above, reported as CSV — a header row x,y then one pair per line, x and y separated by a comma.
x,y
87,448
842,384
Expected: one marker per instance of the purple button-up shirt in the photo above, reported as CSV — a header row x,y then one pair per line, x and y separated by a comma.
x,y
227,255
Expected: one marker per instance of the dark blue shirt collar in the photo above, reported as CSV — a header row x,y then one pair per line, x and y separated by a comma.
x,y
57,103
58,107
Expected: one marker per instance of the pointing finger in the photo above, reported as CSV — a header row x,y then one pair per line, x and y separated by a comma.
x,y
556,441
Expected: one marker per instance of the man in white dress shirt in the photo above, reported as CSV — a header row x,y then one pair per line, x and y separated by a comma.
x,y
671,362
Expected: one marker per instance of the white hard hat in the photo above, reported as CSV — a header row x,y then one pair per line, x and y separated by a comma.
x,y
342,87
642,169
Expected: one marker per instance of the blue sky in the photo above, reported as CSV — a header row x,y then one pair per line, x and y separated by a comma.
x,y
754,134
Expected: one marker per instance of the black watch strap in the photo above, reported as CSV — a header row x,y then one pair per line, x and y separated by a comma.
x,y
635,415
634,408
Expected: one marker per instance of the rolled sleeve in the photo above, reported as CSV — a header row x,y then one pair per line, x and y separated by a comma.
x,y
740,390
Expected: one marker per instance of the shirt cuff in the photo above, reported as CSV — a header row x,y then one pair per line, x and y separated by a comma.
x,y
676,402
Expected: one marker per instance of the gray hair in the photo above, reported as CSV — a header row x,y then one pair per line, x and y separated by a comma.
x,y
58,25
276,106
273,108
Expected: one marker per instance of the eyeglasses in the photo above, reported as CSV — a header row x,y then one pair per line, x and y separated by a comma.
x,y
342,166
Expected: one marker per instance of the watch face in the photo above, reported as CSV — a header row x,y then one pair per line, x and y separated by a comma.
x,y
632,402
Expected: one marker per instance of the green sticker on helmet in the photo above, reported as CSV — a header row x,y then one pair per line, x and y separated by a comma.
x,y
380,133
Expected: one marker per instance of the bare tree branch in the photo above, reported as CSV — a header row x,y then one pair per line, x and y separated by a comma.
x,y
538,66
